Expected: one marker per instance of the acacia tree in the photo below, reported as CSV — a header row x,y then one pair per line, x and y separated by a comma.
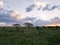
x,y
28,24
16,25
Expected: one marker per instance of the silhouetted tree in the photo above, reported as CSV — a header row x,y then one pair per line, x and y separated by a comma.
x,y
16,25
28,24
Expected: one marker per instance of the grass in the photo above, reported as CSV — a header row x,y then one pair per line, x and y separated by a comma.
x,y
30,36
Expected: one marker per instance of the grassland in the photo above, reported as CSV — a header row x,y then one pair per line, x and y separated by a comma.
x,y
30,36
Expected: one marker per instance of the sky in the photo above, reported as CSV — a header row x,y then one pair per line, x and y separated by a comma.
x,y
38,12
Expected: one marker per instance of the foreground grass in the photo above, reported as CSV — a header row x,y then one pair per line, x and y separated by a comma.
x,y
30,36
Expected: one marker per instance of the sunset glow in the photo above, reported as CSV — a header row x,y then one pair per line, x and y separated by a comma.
x,y
39,4
1,4
53,25
19,17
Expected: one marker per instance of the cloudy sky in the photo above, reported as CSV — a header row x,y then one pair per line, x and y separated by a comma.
x,y
38,12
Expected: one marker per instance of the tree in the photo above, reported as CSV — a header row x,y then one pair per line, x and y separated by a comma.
x,y
28,24
16,25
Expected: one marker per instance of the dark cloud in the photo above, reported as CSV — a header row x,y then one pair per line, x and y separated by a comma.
x,y
30,8
5,16
55,20
40,22
48,7
30,18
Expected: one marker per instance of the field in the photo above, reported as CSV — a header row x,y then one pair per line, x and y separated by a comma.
x,y
30,36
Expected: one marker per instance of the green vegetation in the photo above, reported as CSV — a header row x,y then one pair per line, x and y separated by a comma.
x,y
30,36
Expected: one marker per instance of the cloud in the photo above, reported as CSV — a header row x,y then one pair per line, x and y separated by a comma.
x,y
10,17
1,4
55,20
50,8
30,8
40,22
16,16
30,18
7,15
42,6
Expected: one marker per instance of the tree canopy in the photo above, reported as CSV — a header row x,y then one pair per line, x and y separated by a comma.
x,y
16,25
28,24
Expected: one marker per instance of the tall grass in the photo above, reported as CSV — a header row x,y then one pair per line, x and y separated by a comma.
x,y
30,36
